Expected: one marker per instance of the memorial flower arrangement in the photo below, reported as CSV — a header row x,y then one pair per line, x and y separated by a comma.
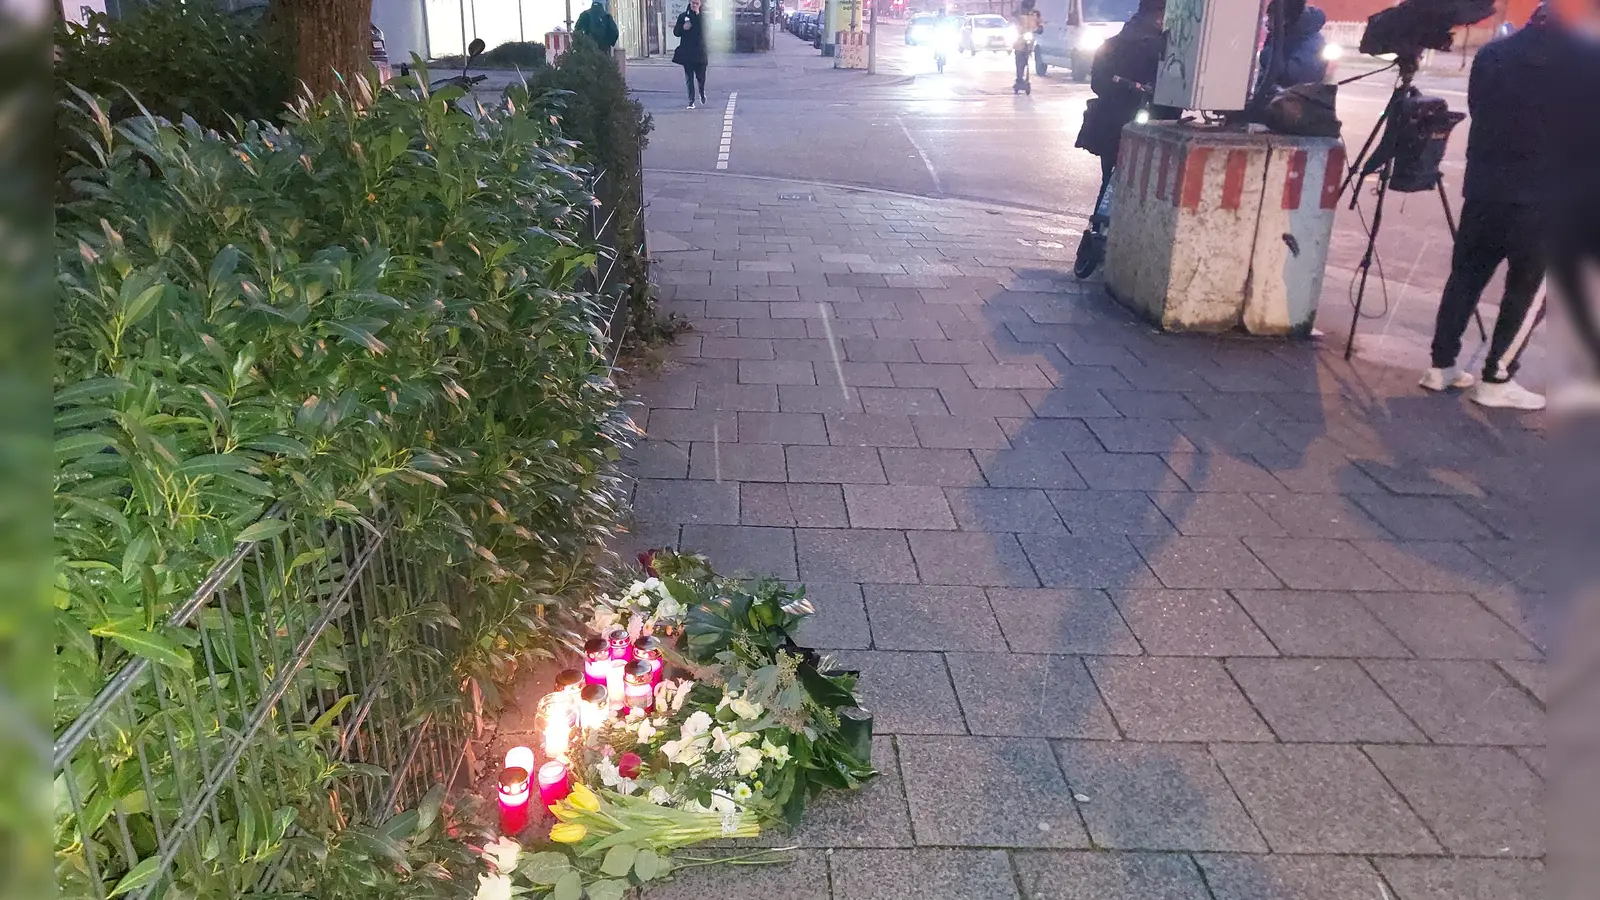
x,y
696,716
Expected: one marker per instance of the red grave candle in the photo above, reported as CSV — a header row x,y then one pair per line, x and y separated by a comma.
x,y
514,797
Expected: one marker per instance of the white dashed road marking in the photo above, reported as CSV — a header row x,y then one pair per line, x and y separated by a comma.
x,y
727,132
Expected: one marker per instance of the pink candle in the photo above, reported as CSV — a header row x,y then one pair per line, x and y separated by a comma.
x,y
648,649
597,661
639,695
554,784
621,647
513,801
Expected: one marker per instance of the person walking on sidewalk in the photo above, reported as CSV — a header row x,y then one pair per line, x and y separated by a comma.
x,y
691,52
1514,96
597,23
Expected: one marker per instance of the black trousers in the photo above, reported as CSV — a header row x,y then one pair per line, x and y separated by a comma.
x,y
1575,247
1492,231
1022,62
693,72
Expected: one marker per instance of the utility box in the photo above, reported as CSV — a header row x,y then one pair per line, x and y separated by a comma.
x,y
1209,55
1216,229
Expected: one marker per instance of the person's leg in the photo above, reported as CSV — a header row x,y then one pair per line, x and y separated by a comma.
x,y
1478,250
700,75
688,81
1102,212
1022,64
1523,304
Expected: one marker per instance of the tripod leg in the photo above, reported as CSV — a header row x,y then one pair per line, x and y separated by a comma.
x,y
1366,257
1450,220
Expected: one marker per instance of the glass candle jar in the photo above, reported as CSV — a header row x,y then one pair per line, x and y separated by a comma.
x,y
596,661
648,649
555,719
569,681
639,693
554,784
621,646
594,708
519,758
514,797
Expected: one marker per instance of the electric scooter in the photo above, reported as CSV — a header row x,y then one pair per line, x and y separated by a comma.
x,y
946,43
1024,85
1092,246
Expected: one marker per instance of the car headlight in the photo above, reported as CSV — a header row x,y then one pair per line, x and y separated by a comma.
x,y
1091,40
1332,52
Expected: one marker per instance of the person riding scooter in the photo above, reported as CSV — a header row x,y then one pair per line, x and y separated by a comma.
x,y
1029,24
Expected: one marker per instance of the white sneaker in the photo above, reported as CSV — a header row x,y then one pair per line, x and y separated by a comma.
x,y
691,105
1439,379
1507,395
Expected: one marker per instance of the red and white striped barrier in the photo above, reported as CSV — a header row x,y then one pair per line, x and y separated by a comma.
x,y
555,44
1217,230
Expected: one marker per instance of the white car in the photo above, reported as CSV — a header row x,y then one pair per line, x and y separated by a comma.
x,y
1074,31
987,32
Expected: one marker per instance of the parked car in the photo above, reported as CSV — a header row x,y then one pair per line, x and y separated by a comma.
x,y
987,32
1074,31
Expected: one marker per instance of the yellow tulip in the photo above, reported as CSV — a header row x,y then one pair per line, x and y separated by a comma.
x,y
568,833
583,798
566,813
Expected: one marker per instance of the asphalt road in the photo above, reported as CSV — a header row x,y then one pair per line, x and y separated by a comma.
x,y
964,134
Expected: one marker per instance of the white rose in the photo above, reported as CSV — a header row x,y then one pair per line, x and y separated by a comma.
x,y
502,852
748,760
659,796
744,709
682,694
647,731
692,756
669,607
494,887
719,741
722,803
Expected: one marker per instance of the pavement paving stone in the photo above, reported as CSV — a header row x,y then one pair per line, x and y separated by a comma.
x,y
735,348
1479,801
1176,699
1423,518
1525,563
834,465
856,555
928,874
952,468
840,620
875,815
1079,875
1217,515
1146,796
1204,562
1048,434
1033,466
1461,701
1433,566
1140,436
1191,623
884,350
908,693
692,425
732,398
1464,879
971,558
657,459
1003,509
1319,564
984,403
1154,405
903,401
1070,401
1087,560
1125,471
1221,472
1316,470
931,617
1088,512
951,432
1530,674
988,792
781,428
1235,876
743,550
1321,798
1319,516
1321,700
737,462
803,877
1029,696
1077,621
953,352
792,505
1474,632
870,431
829,398
928,375
898,506
679,501
776,371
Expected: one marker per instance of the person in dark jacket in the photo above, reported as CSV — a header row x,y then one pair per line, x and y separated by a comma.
x,y
1518,95
597,23
691,52
1131,55
1292,53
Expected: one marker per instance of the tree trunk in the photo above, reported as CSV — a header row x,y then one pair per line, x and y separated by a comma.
x,y
329,38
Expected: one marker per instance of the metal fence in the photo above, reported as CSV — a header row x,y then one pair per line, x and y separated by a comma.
x,y
318,699
611,218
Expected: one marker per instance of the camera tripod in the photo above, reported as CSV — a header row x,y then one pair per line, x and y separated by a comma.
x,y
1361,167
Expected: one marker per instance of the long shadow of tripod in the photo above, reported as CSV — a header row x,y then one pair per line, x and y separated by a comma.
x,y
1422,143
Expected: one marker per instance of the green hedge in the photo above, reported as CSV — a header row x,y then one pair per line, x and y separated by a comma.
x,y
366,308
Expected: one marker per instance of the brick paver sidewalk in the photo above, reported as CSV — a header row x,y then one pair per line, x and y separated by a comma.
x,y
1140,616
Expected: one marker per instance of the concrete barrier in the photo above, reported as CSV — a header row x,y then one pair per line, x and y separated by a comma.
x,y
850,50
1214,230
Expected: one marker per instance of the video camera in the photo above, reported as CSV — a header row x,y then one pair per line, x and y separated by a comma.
x,y
1413,26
